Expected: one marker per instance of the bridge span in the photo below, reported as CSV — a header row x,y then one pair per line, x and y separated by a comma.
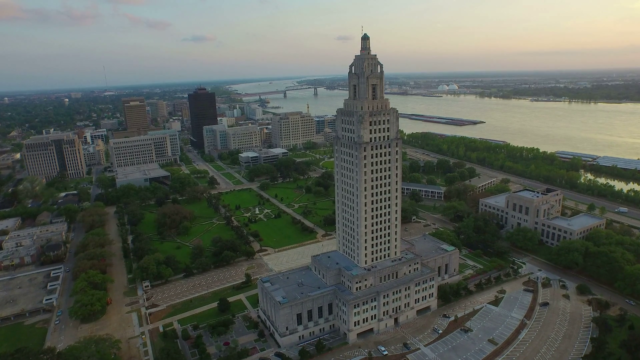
x,y
276,92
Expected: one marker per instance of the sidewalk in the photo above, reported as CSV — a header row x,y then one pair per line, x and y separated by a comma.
x,y
290,212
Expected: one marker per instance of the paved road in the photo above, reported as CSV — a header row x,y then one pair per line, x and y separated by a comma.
x,y
65,333
552,271
201,164
610,206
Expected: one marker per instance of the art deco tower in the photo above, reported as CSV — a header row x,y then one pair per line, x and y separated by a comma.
x,y
368,167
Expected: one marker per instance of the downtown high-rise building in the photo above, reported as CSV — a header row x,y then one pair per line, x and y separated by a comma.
x,y
375,280
48,156
135,114
202,110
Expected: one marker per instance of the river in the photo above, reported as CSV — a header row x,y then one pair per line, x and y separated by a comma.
x,y
600,129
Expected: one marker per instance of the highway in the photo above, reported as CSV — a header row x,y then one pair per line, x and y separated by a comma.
x,y
610,206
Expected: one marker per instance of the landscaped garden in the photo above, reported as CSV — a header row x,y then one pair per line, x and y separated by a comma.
x,y
232,178
206,299
217,166
19,335
208,316
253,300
328,164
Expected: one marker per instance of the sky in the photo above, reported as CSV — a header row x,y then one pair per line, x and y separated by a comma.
x,y
51,44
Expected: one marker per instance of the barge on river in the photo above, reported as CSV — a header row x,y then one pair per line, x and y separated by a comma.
x,y
441,119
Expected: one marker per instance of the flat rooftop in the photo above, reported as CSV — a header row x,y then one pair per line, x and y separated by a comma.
x,y
571,154
140,172
498,200
422,186
529,194
427,247
249,153
9,224
619,162
22,293
577,222
480,180
294,285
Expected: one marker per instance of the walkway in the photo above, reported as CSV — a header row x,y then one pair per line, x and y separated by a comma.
x,y
290,212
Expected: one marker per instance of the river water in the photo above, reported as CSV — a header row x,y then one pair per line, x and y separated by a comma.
x,y
600,129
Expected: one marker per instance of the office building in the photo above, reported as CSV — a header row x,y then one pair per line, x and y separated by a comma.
x,y
262,156
173,125
109,124
426,191
202,108
94,153
135,114
157,147
157,109
90,136
540,210
292,129
181,108
227,121
266,135
482,183
324,122
373,282
220,138
47,156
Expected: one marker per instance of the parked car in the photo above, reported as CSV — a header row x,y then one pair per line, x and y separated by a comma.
x,y
406,345
446,316
437,329
59,313
56,322
528,290
630,302
465,329
544,304
279,355
382,350
67,270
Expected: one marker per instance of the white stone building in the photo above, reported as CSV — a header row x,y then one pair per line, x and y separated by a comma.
x,y
374,281
221,138
540,210
292,129
157,147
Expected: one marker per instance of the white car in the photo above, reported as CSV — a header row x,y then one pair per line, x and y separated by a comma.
x,y
437,329
630,302
382,350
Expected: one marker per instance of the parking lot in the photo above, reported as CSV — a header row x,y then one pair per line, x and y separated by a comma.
x,y
491,322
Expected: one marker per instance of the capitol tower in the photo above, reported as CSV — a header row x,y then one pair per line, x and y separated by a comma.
x,y
374,280
368,166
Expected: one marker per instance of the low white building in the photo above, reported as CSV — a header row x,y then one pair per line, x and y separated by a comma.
x,y
426,191
482,183
263,156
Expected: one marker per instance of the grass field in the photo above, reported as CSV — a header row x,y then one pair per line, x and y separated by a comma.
x,y
329,164
221,230
210,315
148,224
323,152
217,166
234,180
182,252
287,192
318,212
253,300
206,299
463,267
245,198
482,262
281,232
191,167
201,209
19,335
300,155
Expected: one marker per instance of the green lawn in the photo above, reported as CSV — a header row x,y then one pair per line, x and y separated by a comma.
x,y
463,267
234,180
191,167
201,209
253,300
287,192
329,164
206,299
300,155
210,315
195,231
245,198
182,252
322,152
431,208
148,224
281,232
221,230
217,166
477,260
318,212
19,335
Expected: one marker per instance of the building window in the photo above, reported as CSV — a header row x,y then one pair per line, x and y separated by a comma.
x,y
355,96
374,92
320,316
310,315
299,319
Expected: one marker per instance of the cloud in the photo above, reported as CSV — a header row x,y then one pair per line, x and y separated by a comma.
x,y
150,23
344,38
67,15
200,38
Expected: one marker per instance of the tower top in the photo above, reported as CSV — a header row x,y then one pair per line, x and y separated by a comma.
x,y
365,45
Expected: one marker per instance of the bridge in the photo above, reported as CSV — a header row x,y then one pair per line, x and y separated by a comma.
x,y
283,92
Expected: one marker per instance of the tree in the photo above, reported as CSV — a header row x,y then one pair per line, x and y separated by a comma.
x,y
224,305
471,172
591,208
91,280
104,182
30,188
583,289
414,166
523,238
304,354
90,306
93,218
462,174
212,182
171,216
447,236
247,279
320,346
451,179
264,186
505,181
94,347
570,254
443,166
195,193
629,282
415,196
414,178
602,210
456,211
369,355
70,213
458,165
431,180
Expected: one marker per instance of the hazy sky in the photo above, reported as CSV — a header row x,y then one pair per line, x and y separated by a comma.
x,y
65,43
